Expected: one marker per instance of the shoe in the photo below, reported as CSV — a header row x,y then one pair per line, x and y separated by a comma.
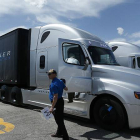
x,y
70,102
66,138
56,135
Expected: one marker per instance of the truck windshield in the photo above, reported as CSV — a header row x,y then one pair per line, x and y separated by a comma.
x,y
102,56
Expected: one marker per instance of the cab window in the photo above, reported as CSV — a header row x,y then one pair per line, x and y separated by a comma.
x,y
138,60
73,54
42,62
44,36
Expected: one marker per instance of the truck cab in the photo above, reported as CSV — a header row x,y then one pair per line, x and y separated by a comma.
x,y
127,54
106,88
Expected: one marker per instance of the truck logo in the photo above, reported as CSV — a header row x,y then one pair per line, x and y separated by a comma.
x,y
104,45
5,55
90,42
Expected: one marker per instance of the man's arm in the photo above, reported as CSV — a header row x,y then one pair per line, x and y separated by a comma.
x,y
66,88
55,98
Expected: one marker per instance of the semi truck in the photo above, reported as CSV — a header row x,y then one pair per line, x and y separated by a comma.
x,y
127,54
108,92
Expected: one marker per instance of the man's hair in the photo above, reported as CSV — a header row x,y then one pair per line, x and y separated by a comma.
x,y
52,71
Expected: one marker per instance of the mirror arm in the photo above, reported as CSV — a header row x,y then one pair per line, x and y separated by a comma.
x,y
86,65
88,60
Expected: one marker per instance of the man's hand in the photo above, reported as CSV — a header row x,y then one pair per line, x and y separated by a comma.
x,y
55,98
66,89
51,109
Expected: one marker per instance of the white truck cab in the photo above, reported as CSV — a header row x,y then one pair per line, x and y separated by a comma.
x,y
109,93
127,54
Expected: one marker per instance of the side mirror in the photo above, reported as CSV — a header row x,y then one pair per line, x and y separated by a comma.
x,y
114,48
86,64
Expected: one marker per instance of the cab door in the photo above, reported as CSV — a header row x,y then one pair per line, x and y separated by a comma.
x,y
71,64
42,68
40,95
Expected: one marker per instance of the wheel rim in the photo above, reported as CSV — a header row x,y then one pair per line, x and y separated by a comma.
x,y
14,98
3,95
107,114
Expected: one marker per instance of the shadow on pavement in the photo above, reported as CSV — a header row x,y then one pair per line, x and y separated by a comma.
x,y
97,132
102,134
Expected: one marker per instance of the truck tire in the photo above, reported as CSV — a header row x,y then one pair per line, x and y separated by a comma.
x,y
109,114
4,94
16,96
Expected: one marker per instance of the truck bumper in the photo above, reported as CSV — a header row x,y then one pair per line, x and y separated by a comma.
x,y
133,112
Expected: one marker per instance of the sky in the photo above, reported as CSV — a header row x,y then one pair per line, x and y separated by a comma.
x,y
111,20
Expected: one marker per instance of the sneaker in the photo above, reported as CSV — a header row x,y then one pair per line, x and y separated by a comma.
x,y
56,135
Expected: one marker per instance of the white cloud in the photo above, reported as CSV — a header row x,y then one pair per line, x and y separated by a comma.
x,y
134,41
48,19
120,30
37,3
132,38
117,40
137,42
135,35
56,9
135,38
28,19
52,19
11,29
78,8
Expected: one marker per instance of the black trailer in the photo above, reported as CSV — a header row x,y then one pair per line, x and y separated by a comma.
x,y
15,58
14,64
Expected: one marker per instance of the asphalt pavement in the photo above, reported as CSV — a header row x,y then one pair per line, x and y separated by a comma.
x,y
27,123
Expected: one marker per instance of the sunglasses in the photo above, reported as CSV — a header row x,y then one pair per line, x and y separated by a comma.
x,y
49,74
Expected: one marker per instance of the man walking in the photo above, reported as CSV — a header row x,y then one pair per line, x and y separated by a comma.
x,y
55,95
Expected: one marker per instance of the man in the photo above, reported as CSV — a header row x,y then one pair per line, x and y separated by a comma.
x,y
72,59
55,95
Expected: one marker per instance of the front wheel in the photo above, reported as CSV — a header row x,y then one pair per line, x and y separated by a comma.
x,y
109,114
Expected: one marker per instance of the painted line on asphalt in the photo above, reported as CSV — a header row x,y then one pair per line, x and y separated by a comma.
x,y
8,126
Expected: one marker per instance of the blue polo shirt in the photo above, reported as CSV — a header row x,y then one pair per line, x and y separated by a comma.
x,y
56,87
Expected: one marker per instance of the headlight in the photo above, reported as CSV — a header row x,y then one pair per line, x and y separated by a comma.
x,y
137,95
